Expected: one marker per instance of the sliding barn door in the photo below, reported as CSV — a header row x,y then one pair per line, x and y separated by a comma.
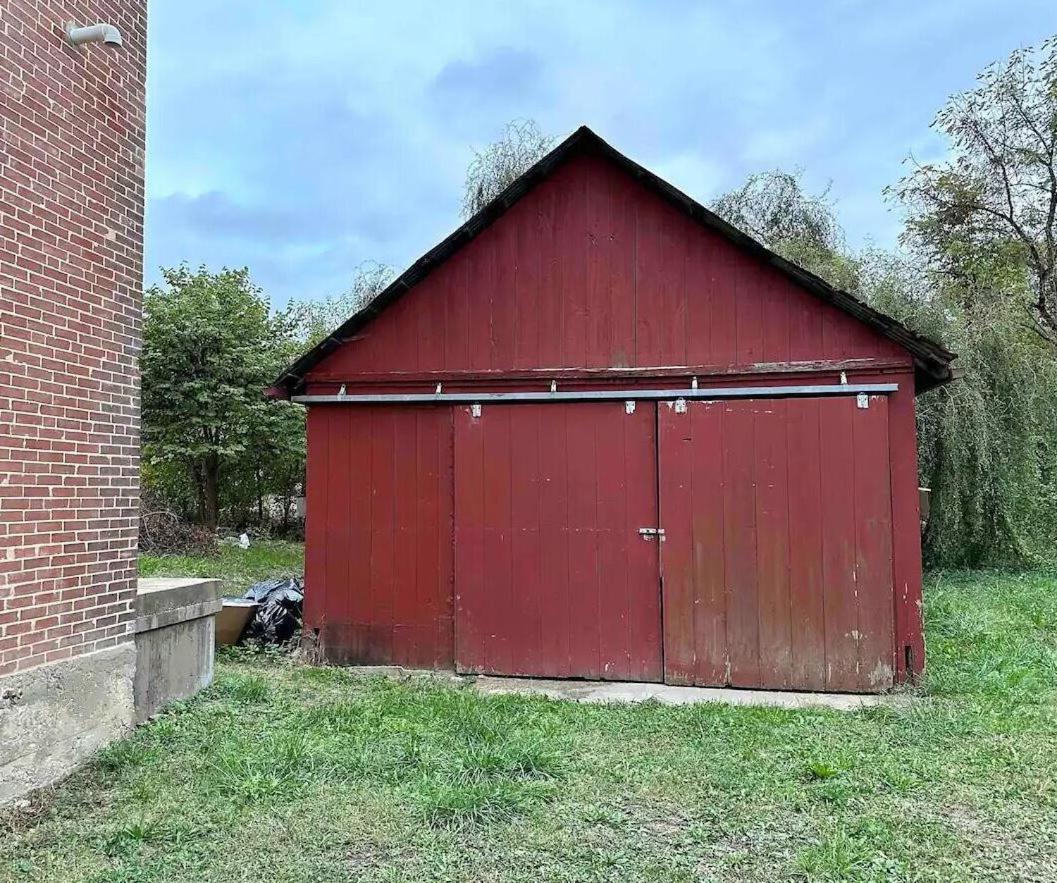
x,y
777,565
552,577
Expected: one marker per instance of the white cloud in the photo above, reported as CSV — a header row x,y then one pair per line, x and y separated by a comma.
x,y
303,138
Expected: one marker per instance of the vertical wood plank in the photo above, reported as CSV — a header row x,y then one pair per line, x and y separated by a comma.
x,y
445,539
805,326
379,636
710,597
601,259
504,292
739,517
551,303
396,334
838,542
342,586
610,425
724,338
407,598
672,281
643,560
748,310
700,294
480,284
555,646
497,599
572,255
873,546
621,266
677,449
772,544
583,542
454,288
356,481
430,308
528,289
335,525
341,581
470,599
526,547
906,536
777,309
647,316
425,548
317,486
660,286
806,587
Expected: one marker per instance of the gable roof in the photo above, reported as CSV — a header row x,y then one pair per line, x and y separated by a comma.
x,y
932,362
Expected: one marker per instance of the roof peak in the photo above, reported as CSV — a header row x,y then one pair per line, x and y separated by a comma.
x,y
931,360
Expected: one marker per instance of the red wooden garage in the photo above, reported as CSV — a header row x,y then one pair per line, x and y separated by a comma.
x,y
600,433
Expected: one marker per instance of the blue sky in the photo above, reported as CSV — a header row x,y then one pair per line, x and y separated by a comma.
x,y
301,138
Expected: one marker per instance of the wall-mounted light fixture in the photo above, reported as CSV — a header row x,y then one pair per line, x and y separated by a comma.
x,y
101,33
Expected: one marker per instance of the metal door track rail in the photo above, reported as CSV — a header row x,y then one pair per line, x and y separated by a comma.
x,y
602,395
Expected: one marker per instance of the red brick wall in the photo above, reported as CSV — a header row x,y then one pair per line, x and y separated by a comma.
x,y
71,233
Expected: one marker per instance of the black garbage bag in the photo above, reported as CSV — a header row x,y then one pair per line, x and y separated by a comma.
x,y
278,616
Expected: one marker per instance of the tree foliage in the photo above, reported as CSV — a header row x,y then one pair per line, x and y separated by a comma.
x,y
313,320
214,448
977,270
210,438
493,169
997,193
987,442
774,208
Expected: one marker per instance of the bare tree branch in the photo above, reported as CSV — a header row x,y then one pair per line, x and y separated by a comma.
x,y
1000,184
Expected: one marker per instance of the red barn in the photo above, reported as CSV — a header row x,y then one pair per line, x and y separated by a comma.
x,y
598,432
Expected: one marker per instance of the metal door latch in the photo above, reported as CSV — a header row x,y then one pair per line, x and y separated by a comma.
x,y
649,532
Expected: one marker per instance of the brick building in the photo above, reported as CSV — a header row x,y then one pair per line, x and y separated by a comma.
x,y
71,222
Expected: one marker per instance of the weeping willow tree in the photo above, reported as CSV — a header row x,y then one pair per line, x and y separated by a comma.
x,y
988,442
492,169
983,224
988,446
314,319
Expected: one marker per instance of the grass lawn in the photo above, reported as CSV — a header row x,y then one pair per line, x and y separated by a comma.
x,y
238,568
288,773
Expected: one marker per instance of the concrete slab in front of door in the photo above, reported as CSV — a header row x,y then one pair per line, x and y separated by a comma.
x,y
620,691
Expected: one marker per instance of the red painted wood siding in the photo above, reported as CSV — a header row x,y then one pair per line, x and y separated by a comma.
x,y
778,560
552,578
590,269
906,534
378,565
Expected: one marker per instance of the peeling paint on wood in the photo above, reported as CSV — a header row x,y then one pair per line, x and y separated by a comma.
x,y
758,521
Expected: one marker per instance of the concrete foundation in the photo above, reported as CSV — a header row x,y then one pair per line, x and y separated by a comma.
x,y
175,634
631,691
623,691
55,716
